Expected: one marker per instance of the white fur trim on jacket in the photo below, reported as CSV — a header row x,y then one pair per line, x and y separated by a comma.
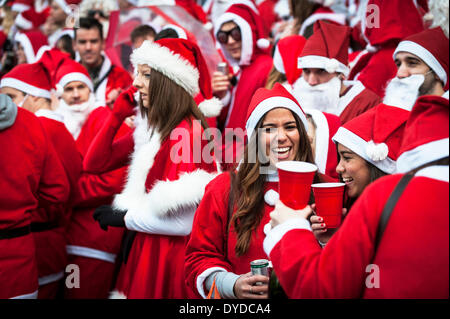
x,y
274,235
422,154
115,294
211,107
171,64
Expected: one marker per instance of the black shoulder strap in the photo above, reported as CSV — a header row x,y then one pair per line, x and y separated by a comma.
x,y
103,78
390,205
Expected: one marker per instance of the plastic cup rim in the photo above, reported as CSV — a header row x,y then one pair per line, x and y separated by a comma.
x,y
327,185
296,166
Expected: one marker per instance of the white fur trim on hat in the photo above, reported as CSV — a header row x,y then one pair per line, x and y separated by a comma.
x,y
24,87
246,33
64,6
278,61
321,62
322,138
425,55
359,146
27,47
23,23
180,32
76,76
171,64
269,104
423,154
211,107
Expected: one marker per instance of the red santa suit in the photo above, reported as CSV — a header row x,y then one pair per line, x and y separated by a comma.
x,y
254,67
166,180
375,66
49,227
92,249
40,182
205,254
408,262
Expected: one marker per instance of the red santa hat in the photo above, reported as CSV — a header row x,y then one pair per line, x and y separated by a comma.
x,y
32,79
375,135
30,19
327,48
426,137
432,47
286,54
325,154
71,71
182,62
323,13
265,100
252,31
65,5
391,20
32,42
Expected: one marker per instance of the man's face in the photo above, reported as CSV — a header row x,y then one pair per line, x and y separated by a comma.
x,y
76,92
234,47
409,64
315,76
57,14
15,95
89,45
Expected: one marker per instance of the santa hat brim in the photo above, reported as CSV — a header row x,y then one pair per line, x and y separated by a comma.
x,y
24,87
322,138
27,47
171,64
359,146
423,154
320,62
76,76
267,105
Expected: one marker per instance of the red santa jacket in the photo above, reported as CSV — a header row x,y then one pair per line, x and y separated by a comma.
x,y
356,100
31,176
165,178
94,190
49,224
412,260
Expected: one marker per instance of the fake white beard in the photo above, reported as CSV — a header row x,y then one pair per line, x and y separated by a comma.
x,y
76,115
323,97
403,93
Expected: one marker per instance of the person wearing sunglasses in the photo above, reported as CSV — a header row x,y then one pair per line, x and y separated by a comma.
x,y
240,34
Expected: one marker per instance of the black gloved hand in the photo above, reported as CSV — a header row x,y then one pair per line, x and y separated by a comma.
x,y
108,216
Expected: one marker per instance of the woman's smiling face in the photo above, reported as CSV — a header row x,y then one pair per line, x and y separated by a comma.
x,y
280,135
353,170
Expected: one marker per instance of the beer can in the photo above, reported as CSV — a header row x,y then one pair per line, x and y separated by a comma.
x,y
260,267
223,68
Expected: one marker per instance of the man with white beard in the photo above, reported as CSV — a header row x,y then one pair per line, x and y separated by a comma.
x,y
422,68
324,61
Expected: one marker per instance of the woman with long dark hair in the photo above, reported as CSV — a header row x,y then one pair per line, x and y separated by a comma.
x,y
229,224
166,177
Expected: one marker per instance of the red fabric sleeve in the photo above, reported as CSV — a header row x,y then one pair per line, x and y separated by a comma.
x,y
337,271
105,154
205,247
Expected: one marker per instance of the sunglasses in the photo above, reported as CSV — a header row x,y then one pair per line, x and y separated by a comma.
x,y
222,36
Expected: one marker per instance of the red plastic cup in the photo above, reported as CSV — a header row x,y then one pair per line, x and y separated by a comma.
x,y
329,199
295,179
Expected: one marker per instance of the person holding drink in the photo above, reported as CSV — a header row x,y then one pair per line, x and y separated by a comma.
x,y
228,227
368,257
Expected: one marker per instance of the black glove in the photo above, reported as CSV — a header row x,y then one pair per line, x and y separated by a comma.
x,y
108,216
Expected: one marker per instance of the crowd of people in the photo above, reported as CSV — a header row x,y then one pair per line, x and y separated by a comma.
x,y
153,174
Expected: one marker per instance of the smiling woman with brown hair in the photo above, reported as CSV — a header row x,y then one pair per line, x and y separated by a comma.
x,y
229,223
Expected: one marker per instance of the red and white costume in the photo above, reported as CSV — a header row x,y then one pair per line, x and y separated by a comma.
x,y
163,189
39,183
34,43
327,49
410,264
398,19
253,68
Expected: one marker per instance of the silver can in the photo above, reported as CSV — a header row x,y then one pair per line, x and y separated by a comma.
x,y
260,267
223,68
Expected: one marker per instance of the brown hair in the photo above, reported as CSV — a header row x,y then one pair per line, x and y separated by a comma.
x,y
169,105
275,77
249,186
